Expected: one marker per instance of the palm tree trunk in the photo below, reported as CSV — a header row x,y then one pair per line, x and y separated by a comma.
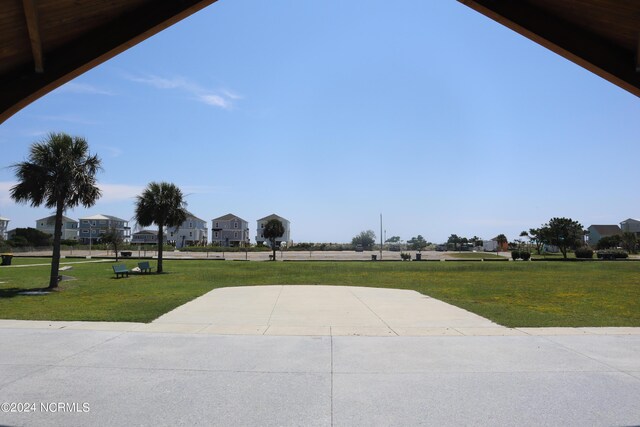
x,y
55,257
160,227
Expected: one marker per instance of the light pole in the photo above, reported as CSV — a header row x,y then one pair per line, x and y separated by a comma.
x,y
90,239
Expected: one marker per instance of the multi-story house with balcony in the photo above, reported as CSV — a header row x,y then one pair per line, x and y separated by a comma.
x,y
4,226
92,228
229,230
69,227
262,222
192,232
147,237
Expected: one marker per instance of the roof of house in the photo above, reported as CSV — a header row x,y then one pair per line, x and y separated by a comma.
x,y
190,215
629,220
51,219
104,217
273,216
228,217
605,230
4,219
152,232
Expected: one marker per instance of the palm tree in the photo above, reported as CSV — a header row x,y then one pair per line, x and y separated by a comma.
x,y
501,240
161,204
273,230
59,173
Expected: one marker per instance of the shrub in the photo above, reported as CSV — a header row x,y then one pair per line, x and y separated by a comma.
x,y
405,256
525,255
612,254
515,255
584,253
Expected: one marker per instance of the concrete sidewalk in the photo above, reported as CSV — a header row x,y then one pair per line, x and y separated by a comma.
x,y
181,369
150,379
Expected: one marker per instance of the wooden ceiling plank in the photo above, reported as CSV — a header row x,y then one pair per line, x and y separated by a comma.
x,y
31,15
638,55
576,44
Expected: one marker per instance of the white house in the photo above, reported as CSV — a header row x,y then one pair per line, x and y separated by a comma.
x,y
69,227
4,225
92,228
229,230
192,232
262,222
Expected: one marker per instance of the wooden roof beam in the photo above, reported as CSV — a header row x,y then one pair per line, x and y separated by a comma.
x,y
586,49
31,15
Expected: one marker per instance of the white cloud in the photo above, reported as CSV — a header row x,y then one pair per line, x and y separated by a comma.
x,y
221,98
83,88
118,192
5,200
69,118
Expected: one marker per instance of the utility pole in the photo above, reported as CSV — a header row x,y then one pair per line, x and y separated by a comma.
x,y
380,236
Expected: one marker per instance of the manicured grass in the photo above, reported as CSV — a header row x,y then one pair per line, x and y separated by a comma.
x,y
514,294
474,255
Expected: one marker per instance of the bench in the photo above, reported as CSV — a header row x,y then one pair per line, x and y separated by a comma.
x,y
144,267
120,270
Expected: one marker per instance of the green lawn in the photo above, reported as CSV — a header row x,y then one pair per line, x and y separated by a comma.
x,y
510,293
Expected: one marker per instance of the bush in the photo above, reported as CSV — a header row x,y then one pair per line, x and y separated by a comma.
x,y
515,255
584,253
525,255
612,254
405,256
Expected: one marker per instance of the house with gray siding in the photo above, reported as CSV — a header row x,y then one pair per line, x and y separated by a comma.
x,y
229,230
597,232
147,237
262,222
630,225
92,228
192,232
69,227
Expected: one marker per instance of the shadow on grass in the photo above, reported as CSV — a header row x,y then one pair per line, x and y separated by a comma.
x,y
24,292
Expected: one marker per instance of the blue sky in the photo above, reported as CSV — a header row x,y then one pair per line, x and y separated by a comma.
x,y
330,113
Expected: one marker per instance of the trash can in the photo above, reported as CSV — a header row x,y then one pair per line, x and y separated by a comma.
x,y
6,259
418,257
374,257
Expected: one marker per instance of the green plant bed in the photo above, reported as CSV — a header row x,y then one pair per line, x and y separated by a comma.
x,y
515,294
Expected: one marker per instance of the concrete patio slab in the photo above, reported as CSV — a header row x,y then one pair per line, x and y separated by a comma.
x,y
325,310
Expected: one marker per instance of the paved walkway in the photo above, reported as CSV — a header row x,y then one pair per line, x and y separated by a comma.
x,y
75,374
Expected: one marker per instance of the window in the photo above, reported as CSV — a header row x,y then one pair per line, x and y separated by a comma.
x,y
172,234
190,225
84,221
85,231
216,226
262,225
190,234
235,225
235,234
42,224
215,234
93,223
